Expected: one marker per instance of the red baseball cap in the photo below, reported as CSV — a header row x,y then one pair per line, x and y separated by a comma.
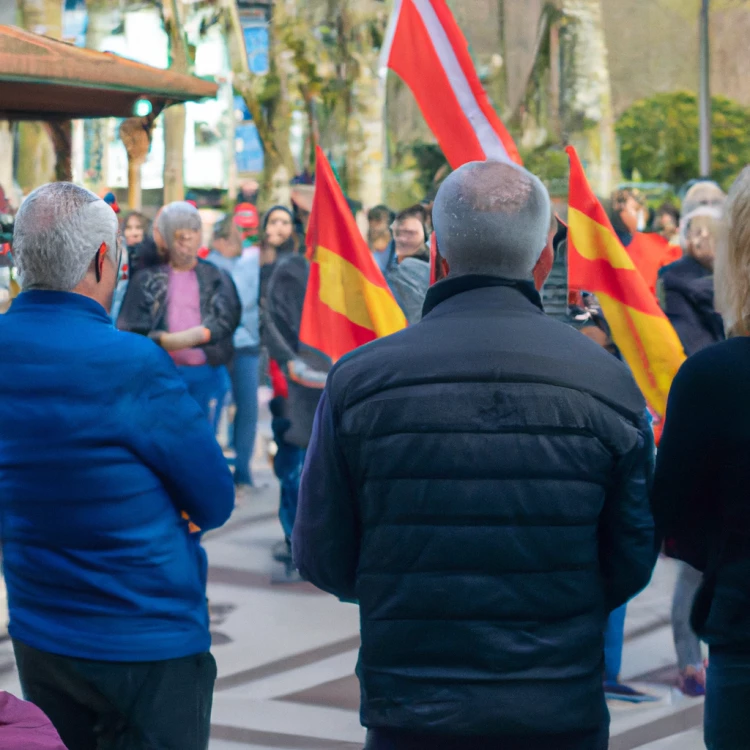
x,y
246,216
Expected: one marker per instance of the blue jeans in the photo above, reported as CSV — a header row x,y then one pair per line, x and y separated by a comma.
x,y
287,466
203,384
223,387
727,722
614,637
244,372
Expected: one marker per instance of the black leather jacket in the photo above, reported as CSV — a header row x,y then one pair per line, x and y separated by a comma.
x,y
144,310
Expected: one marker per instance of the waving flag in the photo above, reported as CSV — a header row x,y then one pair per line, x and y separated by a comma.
x,y
425,47
348,302
598,263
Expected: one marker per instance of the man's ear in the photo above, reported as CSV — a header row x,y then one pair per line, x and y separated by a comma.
x,y
99,261
543,266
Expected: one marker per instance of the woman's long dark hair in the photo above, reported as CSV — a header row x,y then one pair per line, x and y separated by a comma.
x,y
145,223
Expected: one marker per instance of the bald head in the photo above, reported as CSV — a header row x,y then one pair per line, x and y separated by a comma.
x,y
492,218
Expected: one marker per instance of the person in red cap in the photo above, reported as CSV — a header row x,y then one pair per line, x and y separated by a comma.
x,y
247,220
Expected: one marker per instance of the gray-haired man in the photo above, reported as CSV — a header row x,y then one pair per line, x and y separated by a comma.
x,y
479,482
106,464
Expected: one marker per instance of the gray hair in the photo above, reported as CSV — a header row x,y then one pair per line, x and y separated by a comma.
x,y
492,218
57,233
703,193
176,216
223,227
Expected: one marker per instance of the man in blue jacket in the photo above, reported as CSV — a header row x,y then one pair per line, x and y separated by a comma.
x,y
479,483
107,468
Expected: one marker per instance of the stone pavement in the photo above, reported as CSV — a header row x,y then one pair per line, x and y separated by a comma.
x,y
286,653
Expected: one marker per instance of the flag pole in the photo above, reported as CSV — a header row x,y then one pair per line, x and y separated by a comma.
x,y
705,92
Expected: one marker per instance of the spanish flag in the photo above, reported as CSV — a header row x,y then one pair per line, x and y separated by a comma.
x,y
348,302
598,263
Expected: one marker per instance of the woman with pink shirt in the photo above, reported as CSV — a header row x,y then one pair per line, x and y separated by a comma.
x,y
188,306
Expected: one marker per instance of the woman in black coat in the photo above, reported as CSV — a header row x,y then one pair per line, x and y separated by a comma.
x,y
701,489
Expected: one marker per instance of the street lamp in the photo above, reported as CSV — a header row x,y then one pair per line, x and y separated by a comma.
x,y
704,103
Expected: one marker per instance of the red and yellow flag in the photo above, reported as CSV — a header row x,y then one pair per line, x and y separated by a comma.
x,y
598,263
348,302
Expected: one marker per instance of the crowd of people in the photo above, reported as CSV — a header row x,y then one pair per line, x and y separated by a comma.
x,y
481,483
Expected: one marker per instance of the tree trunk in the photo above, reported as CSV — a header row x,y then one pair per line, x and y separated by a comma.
x,y
61,133
586,94
174,153
273,122
174,116
135,133
36,163
135,192
6,157
366,159
96,132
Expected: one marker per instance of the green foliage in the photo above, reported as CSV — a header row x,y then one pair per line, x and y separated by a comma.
x,y
429,161
550,164
659,138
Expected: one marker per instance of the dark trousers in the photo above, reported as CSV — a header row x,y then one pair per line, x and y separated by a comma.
x,y
727,721
96,705
385,739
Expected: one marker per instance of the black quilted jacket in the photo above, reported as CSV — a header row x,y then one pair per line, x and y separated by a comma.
x,y
479,482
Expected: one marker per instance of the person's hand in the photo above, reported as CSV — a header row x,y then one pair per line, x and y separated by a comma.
x,y
301,373
190,339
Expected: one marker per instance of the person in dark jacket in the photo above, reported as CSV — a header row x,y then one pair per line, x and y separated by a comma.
x,y
106,463
305,373
702,476
479,482
185,295
687,287
279,242
686,291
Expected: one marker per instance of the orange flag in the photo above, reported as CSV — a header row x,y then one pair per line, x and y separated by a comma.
x,y
348,302
598,263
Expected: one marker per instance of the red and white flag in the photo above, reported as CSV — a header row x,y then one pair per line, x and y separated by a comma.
x,y
425,47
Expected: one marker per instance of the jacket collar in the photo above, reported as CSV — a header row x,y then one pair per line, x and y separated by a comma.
x,y
68,301
451,287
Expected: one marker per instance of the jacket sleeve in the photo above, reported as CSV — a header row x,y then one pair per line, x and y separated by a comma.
x,y
225,309
627,542
283,314
172,436
683,318
326,537
683,484
135,313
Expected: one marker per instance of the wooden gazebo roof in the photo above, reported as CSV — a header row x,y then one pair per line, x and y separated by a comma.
x,y
44,79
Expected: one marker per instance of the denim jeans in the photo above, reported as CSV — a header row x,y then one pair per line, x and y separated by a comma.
x,y
244,372
223,390
614,637
727,722
287,465
203,384
686,642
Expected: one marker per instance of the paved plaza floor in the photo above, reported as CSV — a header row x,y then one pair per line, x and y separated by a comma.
x,y
286,653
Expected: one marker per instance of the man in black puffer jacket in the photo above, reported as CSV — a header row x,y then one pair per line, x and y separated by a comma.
x,y
479,482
